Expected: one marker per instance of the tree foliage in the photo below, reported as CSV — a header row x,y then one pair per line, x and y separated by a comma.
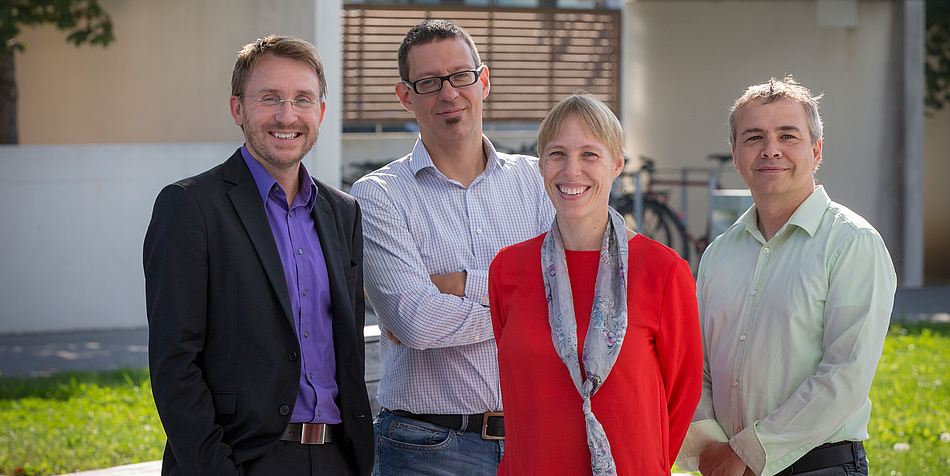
x,y
937,65
84,20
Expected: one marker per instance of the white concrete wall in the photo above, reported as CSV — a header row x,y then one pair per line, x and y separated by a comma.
x,y
74,218
686,62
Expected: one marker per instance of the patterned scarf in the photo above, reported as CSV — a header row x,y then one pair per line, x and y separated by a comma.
x,y
608,323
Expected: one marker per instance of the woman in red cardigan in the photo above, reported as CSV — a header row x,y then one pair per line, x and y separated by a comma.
x,y
600,367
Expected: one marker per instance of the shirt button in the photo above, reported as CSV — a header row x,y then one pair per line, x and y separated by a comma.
x,y
284,410
306,334
738,430
766,250
299,251
478,230
291,214
754,292
742,337
311,375
485,300
304,292
735,383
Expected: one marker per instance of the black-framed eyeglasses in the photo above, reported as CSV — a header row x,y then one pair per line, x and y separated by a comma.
x,y
457,79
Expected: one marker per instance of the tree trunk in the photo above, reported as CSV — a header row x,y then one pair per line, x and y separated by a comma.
x,y
8,97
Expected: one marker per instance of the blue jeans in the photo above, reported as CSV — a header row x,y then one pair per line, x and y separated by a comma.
x,y
410,447
848,469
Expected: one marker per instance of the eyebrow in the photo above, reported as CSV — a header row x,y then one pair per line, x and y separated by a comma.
x,y
453,71
309,92
759,130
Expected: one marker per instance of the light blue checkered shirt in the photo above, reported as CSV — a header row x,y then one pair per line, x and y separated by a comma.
x,y
416,223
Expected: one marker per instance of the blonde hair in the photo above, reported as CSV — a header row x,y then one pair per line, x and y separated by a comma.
x,y
282,46
598,118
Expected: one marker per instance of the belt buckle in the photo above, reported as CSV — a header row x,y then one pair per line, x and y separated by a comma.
x,y
485,417
313,433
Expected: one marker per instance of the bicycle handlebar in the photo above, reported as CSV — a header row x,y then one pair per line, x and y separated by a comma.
x,y
722,158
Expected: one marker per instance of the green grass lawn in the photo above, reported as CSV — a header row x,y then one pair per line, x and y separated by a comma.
x,y
911,403
82,421
77,421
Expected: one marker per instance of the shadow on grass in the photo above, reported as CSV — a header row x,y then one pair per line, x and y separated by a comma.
x,y
941,329
66,385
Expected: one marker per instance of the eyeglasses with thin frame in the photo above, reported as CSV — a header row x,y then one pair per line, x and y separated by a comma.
x,y
457,79
274,102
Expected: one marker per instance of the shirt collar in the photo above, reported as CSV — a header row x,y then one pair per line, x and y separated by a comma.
x,y
266,182
807,216
420,159
809,213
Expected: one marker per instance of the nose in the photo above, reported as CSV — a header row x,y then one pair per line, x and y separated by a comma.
x,y
286,113
572,167
771,149
448,92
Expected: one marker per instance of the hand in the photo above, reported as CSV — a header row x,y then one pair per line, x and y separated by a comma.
x,y
718,459
450,283
392,337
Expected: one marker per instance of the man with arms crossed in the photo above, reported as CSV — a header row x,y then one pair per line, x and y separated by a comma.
x,y
794,301
253,281
434,220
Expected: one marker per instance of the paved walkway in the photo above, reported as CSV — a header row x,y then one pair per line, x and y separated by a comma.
x,y
43,354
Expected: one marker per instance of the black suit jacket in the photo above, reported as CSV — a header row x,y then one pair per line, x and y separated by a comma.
x,y
223,350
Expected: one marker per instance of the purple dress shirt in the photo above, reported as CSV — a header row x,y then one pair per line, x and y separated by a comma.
x,y
305,270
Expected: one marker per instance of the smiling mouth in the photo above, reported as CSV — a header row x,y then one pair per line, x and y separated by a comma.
x,y
572,190
285,135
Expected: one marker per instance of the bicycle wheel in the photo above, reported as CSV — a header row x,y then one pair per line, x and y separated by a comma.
x,y
662,224
659,223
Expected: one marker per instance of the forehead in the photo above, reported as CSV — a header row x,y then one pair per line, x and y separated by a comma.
x,y
572,127
779,113
439,57
277,73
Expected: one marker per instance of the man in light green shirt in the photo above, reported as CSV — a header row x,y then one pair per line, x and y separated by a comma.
x,y
794,300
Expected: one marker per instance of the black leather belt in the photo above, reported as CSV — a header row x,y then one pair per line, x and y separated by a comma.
x,y
825,456
312,433
491,425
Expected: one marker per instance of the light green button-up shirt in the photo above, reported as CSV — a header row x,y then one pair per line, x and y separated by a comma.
x,y
793,328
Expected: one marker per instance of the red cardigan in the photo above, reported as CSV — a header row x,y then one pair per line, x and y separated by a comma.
x,y
647,401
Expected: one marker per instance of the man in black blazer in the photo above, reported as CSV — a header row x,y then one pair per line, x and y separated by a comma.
x,y
254,288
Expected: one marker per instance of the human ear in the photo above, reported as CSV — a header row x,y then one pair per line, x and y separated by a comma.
x,y
237,110
402,91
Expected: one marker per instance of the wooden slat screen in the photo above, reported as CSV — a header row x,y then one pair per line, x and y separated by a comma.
x,y
536,57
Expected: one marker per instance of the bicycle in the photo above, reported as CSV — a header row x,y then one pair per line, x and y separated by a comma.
x,y
648,211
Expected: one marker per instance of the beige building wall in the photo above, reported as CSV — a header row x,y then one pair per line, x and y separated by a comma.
x,y
687,61
166,78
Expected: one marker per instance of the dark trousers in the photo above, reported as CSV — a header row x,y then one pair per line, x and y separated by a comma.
x,y
858,467
290,458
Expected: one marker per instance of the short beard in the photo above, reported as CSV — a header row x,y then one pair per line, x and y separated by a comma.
x,y
453,121
256,142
